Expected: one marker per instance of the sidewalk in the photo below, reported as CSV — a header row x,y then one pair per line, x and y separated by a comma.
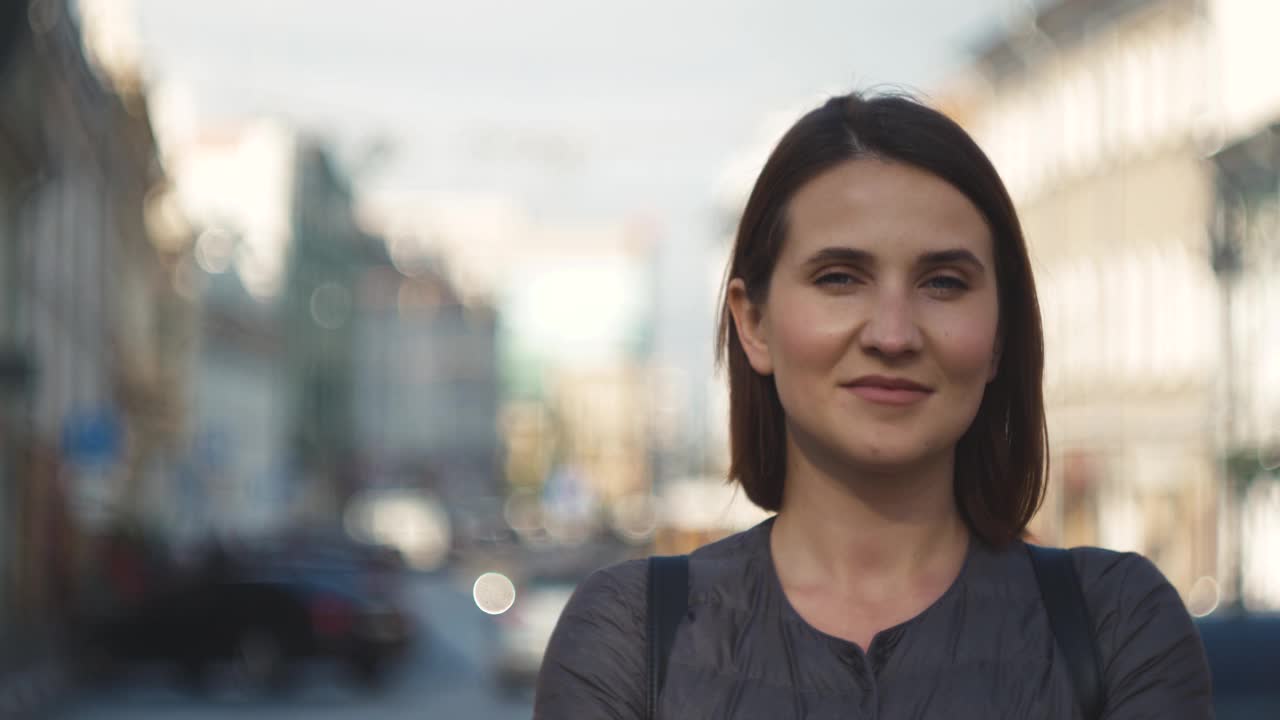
x,y
33,678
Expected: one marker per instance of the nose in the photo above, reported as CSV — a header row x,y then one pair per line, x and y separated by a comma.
x,y
891,329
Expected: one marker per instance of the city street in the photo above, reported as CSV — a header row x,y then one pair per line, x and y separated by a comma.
x,y
446,675
341,343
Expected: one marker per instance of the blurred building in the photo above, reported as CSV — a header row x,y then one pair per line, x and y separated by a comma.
x,y
1099,116
576,327
1092,113
689,431
573,330
324,265
235,183
278,262
235,475
605,428
92,242
94,333
425,384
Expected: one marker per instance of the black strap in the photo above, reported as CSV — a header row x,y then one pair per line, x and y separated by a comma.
x,y
1069,619
668,600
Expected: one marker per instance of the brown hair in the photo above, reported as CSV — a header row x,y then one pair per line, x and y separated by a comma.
x,y
1002,459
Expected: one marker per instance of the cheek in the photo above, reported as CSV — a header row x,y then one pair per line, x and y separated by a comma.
x,y
807,337
968,348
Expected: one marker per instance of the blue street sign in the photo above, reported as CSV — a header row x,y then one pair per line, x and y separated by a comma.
x,y
92,437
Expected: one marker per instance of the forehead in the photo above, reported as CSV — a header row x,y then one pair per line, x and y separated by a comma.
x,y
882,207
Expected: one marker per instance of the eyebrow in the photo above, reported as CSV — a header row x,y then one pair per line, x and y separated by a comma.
x,y
862,257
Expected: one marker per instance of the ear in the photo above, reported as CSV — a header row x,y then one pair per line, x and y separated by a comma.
x,y
748,319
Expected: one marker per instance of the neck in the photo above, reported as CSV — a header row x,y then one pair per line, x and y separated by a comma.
x,y
892,529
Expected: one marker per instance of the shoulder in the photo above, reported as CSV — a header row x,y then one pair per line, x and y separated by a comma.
x,y
1123,589
713,568
594,664
1103,565
1152,656
615,592
733,570
605,616
1120,584
727,555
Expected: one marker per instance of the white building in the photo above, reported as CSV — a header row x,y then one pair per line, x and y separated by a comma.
x,y
1099,116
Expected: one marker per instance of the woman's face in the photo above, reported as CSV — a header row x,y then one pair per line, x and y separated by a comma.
x,y
880,327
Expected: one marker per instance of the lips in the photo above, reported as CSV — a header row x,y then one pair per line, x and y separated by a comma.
x,y
884,390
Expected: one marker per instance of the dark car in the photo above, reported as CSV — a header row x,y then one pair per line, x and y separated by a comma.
x,y
1244,656
263,610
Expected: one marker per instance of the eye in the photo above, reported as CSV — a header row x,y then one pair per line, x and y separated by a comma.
x,y
835,278
946,284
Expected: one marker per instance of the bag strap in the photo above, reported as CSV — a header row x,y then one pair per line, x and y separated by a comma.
x,y
668,600
1069,619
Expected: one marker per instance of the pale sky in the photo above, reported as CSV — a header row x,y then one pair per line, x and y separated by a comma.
x,y
580,112
580,109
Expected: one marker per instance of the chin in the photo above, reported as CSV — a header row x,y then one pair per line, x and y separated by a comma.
x,y
888,458
873,449
885,463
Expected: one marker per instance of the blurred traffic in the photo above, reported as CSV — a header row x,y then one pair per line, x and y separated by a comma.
x,y
258,609
338,345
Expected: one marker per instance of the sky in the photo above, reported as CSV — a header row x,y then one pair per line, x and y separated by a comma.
x,y
577,109
578,112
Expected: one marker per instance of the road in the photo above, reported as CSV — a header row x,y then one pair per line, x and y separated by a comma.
x,y
446,675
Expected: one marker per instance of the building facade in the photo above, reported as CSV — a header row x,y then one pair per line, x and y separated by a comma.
x,y
94,331
278,263
1099,115
426,392
235,183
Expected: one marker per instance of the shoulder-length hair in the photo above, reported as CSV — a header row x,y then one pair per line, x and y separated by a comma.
x,y
1002,459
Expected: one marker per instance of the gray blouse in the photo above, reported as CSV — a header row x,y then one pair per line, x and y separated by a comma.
x,y
982,650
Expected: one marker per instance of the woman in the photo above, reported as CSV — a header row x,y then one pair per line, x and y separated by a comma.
x,y
884,353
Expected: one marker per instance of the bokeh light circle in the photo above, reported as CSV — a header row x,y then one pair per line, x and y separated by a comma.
x,y
494,593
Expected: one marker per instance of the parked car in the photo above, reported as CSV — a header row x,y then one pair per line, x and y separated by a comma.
x,y
260,611
1244,656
